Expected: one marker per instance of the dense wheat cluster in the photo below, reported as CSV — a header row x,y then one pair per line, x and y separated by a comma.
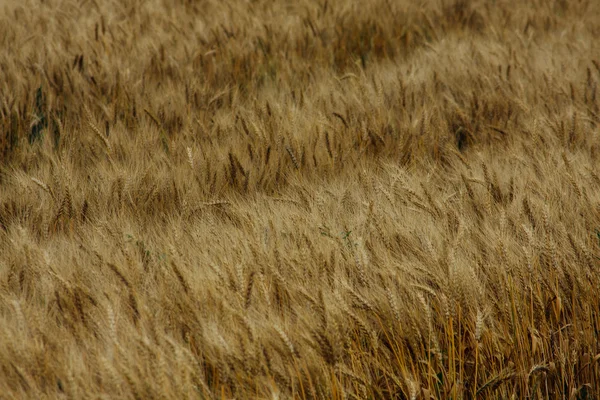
x,y
312,199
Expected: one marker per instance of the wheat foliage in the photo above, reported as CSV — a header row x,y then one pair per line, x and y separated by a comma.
x,y
313,199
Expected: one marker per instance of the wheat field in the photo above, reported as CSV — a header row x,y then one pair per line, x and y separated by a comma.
x,y
308,199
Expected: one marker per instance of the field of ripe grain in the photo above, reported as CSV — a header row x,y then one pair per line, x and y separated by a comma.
x,y
311,199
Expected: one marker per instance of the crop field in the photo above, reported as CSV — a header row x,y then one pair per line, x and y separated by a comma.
x,y
299,199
